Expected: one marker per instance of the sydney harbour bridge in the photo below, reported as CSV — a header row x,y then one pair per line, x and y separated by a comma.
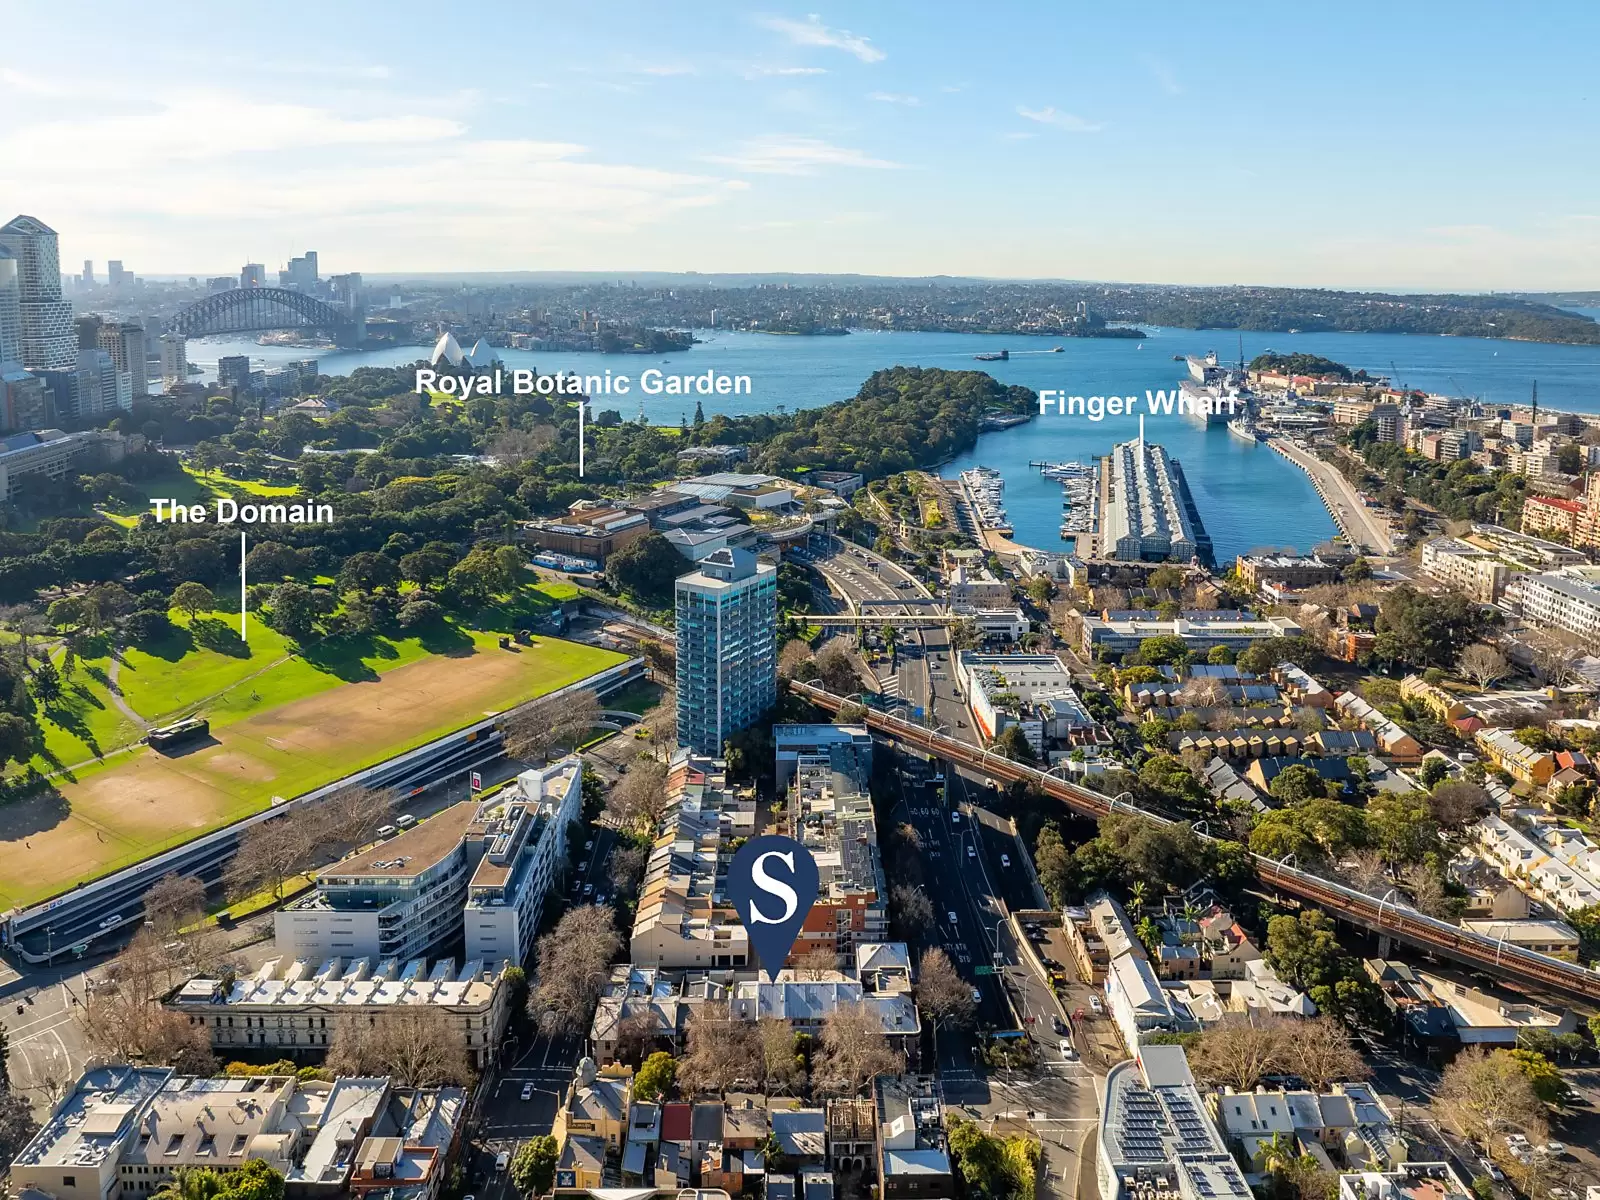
x,y
261,309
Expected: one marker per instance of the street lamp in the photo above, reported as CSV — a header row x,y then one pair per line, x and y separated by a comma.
x,y
1284,862
1381,903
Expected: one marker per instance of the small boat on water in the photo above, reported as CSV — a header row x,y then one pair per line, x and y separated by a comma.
x,y
993,356
985,488
1057,349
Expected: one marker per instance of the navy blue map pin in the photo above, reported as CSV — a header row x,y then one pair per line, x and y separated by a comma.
x,y
772,882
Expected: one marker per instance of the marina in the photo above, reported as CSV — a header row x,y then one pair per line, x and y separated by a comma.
x,y
985,491
1080,488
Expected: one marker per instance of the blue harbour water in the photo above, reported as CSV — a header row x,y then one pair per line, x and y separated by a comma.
x,y
1248,496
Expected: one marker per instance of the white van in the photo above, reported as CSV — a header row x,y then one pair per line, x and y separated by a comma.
x,y
406,821
386,831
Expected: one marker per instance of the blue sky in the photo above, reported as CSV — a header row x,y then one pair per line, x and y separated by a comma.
x,y
1361,145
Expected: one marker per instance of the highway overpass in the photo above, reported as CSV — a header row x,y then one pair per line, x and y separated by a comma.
x,y
1385,916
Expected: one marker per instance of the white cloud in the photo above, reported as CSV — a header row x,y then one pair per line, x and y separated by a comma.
x,y
207,124
785,154
1164,75
1059,119
894,98
206,177
812,32
757,72
32,85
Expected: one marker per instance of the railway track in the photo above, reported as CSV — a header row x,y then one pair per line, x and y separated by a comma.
x,y
1496,958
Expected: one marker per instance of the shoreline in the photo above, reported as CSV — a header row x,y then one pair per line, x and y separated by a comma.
x,y
1372,538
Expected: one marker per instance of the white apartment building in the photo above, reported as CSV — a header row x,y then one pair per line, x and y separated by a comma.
x,y
1471,570
400,899
1484,562
1568,599
174,359
524,831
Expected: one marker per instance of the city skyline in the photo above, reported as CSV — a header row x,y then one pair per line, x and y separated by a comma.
x,y
1382,150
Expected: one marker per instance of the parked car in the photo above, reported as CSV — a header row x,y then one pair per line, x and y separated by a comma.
x,y
1554,1149
405,821
1096,1004
386,831
527,1091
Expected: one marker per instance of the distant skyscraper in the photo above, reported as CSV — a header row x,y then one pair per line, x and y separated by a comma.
x,y
10,313
301,273
25,401
727,623
234,371
47,341
222,283
125,344
174,360
253,275
88,273
116,276
97,390
86,329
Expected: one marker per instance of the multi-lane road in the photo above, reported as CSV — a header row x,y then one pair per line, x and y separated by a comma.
x,y
975,876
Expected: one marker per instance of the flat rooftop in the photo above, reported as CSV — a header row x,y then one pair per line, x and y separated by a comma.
x,y
409,854
90,1122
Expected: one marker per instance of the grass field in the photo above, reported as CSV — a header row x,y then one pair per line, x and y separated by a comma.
x,y
203,664
281,726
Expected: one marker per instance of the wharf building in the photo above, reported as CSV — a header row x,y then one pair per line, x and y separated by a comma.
x,y
123,1132
1149,514
296,1007
478,869
727,628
